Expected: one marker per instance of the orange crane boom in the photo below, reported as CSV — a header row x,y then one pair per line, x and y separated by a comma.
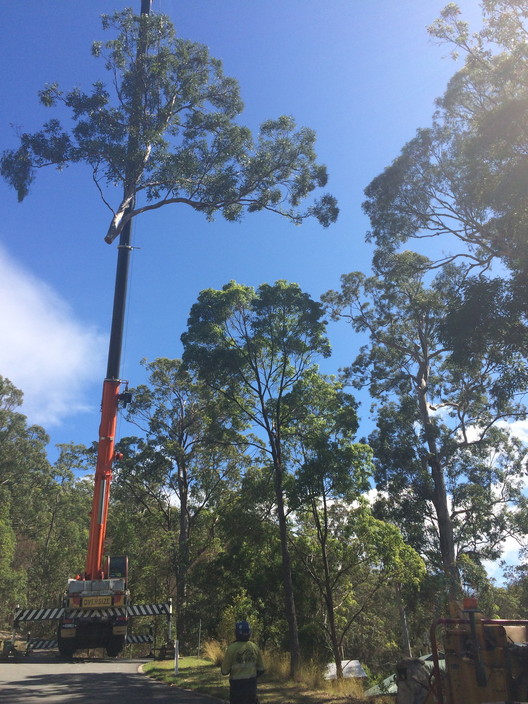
x,y
103,477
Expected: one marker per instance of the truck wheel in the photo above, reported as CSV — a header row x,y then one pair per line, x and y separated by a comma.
x,y
66,649
115,646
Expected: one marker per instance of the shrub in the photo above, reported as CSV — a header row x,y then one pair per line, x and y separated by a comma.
x,y
213,651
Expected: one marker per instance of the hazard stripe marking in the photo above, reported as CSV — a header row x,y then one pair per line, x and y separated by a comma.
x,y
42,644
55,614
139,639
38,614
149,609
53,643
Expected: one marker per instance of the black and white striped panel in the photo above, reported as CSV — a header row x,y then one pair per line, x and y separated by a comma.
x,y
42,644
149,609
38,614
139,639
54,614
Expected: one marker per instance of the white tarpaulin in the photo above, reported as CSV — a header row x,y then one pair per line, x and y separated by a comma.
x,y
351,668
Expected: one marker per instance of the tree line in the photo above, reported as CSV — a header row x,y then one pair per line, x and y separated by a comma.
x,y
246,490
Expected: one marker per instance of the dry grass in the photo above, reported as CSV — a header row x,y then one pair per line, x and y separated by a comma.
x,y
213,651
275,687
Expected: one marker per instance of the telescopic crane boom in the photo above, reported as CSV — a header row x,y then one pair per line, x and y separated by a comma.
x,y
111,388
109,408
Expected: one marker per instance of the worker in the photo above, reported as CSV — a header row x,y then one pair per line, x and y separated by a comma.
x,y
243,663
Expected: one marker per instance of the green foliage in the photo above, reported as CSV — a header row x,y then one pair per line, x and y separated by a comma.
x,y
63,535
192,452
451,472
254,346
463,179
41,529
12,581
241,608
168,133
350,556
257,348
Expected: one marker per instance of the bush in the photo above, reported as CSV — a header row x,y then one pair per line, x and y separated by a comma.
x,y
213,651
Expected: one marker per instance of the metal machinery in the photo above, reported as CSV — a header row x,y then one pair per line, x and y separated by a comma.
x,y
8,651
90,619
96,611
476,661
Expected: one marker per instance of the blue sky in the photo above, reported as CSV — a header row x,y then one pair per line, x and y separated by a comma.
x,y
364,75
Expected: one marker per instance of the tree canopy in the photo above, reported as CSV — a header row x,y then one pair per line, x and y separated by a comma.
x,y
166,130
439,441
462,177
256,347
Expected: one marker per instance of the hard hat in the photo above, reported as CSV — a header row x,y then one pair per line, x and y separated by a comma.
x,y
242,628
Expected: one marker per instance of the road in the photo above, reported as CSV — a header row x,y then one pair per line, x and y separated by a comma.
x,y
47,680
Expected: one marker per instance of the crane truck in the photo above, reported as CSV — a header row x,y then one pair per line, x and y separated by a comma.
x,y
96,602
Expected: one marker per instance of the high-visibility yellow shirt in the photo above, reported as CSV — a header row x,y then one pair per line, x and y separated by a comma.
x,y
242,660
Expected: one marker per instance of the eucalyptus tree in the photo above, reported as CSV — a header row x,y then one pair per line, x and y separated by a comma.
x,y
462,179
191,453
256,347
347,553
351,556
166,130
444,455
248,560
24,466
13,577
62,534
41,505
329,467
25,476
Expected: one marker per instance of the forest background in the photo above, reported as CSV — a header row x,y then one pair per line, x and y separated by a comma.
x,y
247,488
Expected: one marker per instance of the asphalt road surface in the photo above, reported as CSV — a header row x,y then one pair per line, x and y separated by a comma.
x,y
45,679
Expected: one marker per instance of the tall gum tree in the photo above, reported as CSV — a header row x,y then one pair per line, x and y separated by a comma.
x,y
192,450
337,540
25,477
254,347
461,179
166,132
451,471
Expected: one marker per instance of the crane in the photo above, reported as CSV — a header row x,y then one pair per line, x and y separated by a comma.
x,y
95,602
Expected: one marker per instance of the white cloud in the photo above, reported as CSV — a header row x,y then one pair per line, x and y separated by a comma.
x,y
519,429
44,350
510,557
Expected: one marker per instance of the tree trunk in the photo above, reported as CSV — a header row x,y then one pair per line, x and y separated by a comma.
x,y
328,591
439,498
183,559
289,601
336,650
404,626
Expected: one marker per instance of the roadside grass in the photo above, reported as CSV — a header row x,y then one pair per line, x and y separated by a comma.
x,y
275,687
